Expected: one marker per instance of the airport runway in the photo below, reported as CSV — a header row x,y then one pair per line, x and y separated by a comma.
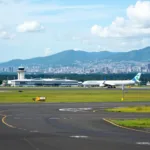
x,y
78,126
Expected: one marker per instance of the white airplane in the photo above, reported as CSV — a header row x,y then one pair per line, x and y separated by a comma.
x,y
112,83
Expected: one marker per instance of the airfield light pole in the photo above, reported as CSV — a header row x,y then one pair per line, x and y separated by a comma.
x,y
122,93
139,91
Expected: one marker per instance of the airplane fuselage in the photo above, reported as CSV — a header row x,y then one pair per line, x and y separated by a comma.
x,y
112,83
108,82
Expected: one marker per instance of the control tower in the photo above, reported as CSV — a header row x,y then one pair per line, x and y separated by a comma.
x,y
21,73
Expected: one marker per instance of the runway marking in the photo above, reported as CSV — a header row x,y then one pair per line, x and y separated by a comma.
x,y
3,119
75,109
67,118
79,136
108,121
16,118
32,145
55,118
4,122
25,129
34,131
20,128
9,125
143,143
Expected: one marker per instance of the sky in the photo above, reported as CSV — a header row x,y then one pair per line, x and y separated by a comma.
x,y
37,28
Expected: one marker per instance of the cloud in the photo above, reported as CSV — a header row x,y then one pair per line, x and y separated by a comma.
x,y
140,13
137,23
77,49
31,26
52,7
48,12
6,35
47,51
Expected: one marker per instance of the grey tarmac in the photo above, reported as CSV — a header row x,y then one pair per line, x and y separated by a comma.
x,y
79,126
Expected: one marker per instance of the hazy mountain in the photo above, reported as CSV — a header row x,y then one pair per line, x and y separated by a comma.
x,y
135,55
68,57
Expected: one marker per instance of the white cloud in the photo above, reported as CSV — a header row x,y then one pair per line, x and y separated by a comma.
x,y
26,10
137,23
140,13
78,49
101,48
50,7
47,52
6,35
30,26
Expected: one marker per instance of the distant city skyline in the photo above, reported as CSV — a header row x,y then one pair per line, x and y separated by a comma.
x,y
33,28
105,67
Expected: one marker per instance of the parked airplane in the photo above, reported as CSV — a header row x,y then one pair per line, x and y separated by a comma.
x,y
112,83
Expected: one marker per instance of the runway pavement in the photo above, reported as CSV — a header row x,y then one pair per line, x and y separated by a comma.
x,y
78,126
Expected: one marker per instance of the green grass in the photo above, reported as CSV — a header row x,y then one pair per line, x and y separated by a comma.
x,y
10,95
134,109
136,123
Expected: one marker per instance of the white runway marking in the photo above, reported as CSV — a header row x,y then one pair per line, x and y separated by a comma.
x,y
79,136
5,91
143,143
16,118
55,118
34,131
67,118
24,129
20,128
75,109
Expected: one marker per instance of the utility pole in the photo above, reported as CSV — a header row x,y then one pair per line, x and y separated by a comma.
x,y
122,99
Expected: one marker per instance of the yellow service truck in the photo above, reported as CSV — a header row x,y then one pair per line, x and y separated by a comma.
x,y
39,98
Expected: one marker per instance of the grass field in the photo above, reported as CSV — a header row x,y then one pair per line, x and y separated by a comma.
x,y
134,109
11,95
136,123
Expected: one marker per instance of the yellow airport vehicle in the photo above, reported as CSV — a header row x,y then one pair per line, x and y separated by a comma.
x,y
39,98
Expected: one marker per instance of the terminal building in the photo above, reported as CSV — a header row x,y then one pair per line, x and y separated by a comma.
x,y
21,81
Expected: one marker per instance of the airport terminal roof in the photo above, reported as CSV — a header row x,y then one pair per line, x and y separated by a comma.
x,y
52,79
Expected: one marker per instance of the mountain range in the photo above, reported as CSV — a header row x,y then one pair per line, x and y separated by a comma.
x,y
69,57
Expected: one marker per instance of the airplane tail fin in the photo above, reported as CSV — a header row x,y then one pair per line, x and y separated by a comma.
x,y
137,78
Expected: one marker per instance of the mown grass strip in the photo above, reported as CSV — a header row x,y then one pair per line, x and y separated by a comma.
x,y
133,109
135,123
72,95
